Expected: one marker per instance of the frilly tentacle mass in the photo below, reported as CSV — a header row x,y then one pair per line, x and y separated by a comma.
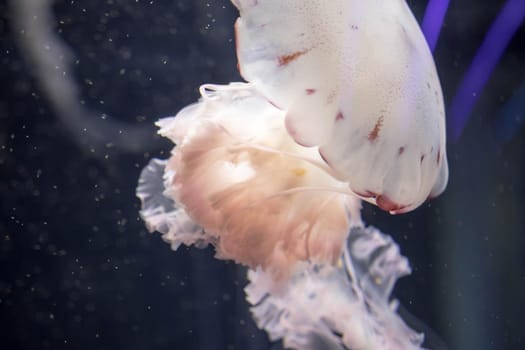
x,y
333,299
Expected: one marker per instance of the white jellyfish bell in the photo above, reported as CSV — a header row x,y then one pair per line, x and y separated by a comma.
x,y
357,80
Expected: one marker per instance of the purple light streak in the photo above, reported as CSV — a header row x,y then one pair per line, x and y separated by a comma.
x,y
488,55
433,21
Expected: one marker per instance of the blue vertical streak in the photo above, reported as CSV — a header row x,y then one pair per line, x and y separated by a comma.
x,y
511,117
433,21
488,55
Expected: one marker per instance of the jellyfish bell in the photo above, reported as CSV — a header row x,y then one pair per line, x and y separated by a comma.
x,y
260,198
356,80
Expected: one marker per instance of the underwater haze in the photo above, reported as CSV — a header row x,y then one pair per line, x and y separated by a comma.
x,y
84,81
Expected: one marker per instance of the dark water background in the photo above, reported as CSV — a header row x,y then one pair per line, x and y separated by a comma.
x,y
78,269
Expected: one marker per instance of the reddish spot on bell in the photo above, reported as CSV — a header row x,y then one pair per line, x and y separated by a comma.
x,y
310,91
339,116
401,150
374,133
387,204
286,59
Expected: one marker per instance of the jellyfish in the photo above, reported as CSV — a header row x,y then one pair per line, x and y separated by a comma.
x,y
356,80
342,103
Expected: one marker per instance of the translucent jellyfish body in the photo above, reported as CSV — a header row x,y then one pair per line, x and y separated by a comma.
x,y
319,305
238,181
356,79
259,197
338,307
